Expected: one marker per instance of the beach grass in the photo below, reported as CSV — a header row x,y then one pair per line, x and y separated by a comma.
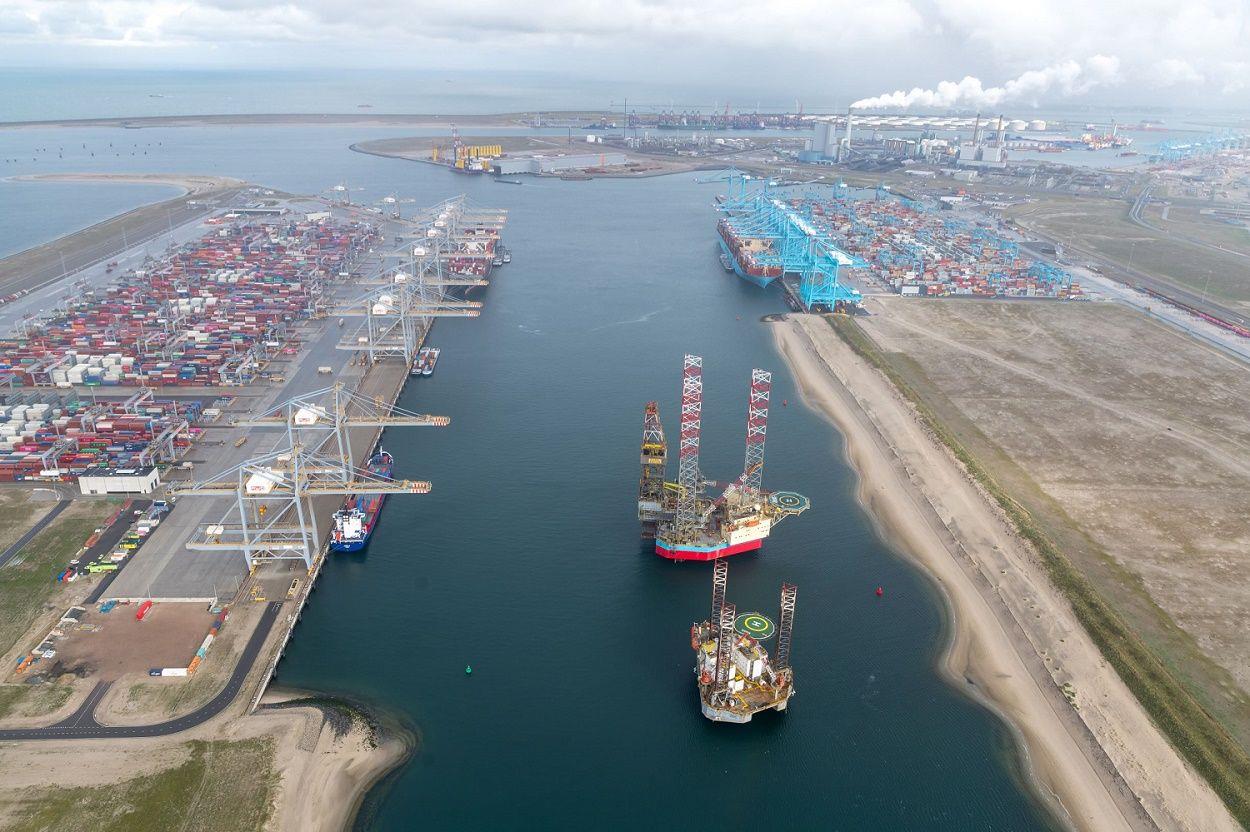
x,y
221,785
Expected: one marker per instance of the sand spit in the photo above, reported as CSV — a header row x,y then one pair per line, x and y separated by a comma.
x,y
191,184
363,119
1016,644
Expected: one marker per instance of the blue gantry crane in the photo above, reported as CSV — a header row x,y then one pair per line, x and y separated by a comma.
x,y
795,245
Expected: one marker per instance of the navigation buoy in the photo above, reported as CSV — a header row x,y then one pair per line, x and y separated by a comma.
x,y
468,670
880,592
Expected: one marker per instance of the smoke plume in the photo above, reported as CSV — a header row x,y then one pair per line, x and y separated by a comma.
x,y
1065,78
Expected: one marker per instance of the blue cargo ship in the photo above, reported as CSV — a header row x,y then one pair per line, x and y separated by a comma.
x,y
356,520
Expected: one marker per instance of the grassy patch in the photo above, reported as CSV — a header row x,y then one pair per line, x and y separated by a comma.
x,y
26,586
1182,718
18,514
32,700
1103,227
222,785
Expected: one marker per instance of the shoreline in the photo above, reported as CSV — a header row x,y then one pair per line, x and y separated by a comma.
x,y
357,747
1086,746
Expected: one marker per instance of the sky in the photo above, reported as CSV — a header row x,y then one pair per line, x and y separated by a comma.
x,y
880,54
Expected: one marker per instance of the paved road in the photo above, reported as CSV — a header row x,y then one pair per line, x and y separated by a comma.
x,y
1135,277
109,539
81,725
8,554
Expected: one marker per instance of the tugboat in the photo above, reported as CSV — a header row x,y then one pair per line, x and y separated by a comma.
x,y
356,520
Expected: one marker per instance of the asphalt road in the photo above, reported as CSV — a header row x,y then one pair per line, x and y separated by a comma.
x,y
8,554
107,541
81,725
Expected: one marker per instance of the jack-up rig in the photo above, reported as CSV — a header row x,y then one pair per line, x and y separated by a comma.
x,y
684,523
737,677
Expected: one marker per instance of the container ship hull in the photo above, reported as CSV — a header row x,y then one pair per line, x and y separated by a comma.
x,y
743,264
355,522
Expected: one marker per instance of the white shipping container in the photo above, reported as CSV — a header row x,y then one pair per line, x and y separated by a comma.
x,y
174,671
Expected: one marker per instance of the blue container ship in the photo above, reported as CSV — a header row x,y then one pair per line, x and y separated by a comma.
x,y
356,520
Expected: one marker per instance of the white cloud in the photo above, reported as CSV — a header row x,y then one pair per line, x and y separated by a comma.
x,y
843,45
1065,78
799,24
1175,71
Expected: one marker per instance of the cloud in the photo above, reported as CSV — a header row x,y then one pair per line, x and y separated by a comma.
x,y
797,24
844,48
1176,71
1065,78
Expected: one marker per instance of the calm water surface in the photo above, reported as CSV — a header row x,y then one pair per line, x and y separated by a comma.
x,y
524,562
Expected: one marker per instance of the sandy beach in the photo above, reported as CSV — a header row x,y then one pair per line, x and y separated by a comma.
x,y
1016,645
321,771
326,772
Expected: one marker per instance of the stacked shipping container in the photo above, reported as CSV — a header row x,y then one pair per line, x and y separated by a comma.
x,y
91,435
205,315
918,251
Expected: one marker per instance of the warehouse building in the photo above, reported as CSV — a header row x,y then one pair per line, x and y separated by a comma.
x,y
120,480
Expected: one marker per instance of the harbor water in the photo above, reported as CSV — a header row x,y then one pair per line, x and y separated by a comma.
x,y
524,562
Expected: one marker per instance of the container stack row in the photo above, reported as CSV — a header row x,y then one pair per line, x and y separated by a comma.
x,y
62,442
210,313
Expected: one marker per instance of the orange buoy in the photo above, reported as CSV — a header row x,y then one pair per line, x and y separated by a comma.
x,y
880,592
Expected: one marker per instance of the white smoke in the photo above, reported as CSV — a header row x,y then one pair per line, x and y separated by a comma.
x,y
1066,78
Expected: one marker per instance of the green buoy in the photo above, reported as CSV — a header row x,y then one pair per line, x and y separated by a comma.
x,y
468,670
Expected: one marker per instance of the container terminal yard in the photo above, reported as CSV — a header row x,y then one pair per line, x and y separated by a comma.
x,y
918,249
233,388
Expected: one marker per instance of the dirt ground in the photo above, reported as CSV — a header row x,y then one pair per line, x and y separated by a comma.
x,y
167,637
1128,441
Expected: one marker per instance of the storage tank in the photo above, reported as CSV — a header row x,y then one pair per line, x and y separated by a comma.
x,y
1037,124
1017,124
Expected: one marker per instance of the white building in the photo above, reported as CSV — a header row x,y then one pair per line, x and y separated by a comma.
x,y
120,481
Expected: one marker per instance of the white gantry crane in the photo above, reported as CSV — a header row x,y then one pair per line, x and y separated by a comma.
x,y
274,516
